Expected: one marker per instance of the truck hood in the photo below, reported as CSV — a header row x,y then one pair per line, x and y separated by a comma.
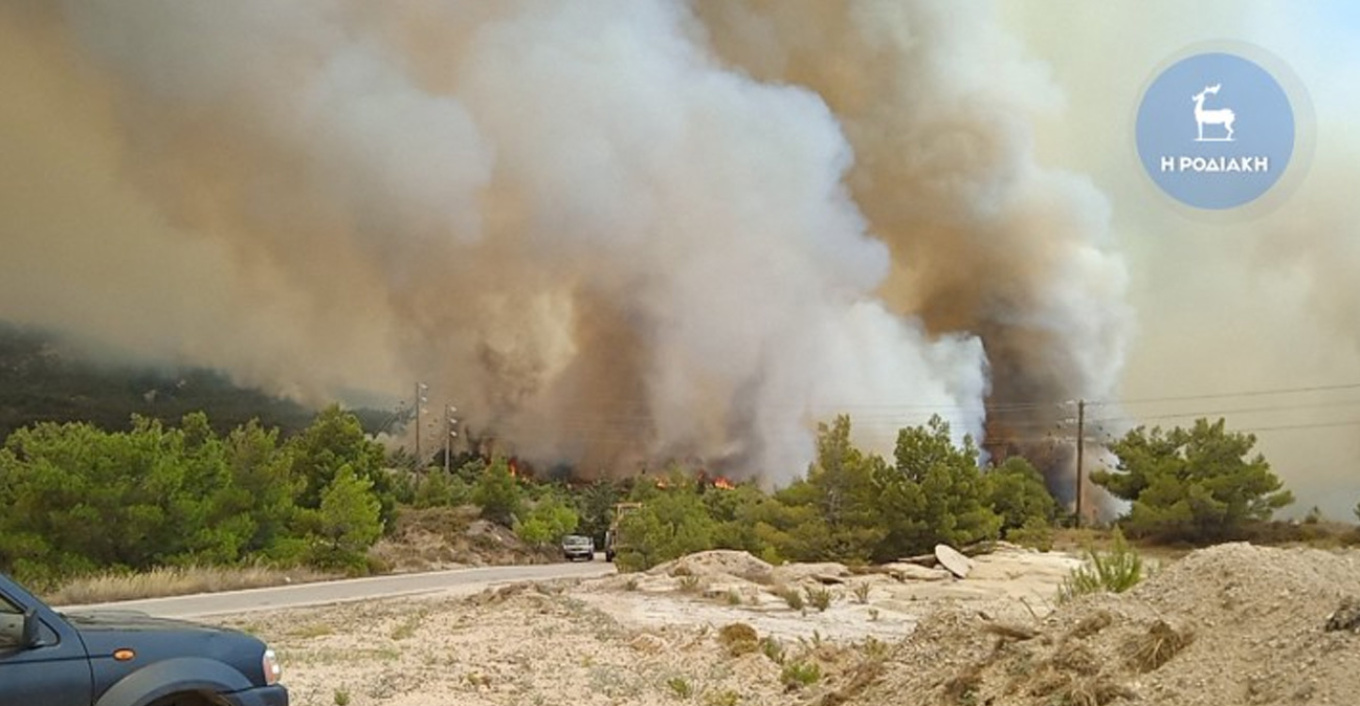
x,y
104,631
132,621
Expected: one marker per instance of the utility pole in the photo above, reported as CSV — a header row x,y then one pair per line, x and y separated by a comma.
x,y
420,400
1081,442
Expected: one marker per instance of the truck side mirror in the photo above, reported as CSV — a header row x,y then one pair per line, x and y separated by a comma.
x,y
32,636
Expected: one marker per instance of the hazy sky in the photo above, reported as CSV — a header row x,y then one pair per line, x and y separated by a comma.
x,y
1263,302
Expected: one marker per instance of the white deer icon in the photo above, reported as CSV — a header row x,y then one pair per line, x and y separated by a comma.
x,y
1222,116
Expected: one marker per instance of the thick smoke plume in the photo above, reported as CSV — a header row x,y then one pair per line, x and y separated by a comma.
x,y
611,232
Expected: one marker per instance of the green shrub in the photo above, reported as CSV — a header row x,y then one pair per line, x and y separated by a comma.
x,y
791,596
681,687
1114,571
797,675
1036,533
498,493
820,598
1201,484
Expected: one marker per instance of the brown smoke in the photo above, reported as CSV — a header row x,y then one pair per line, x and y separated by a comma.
x,y
610,232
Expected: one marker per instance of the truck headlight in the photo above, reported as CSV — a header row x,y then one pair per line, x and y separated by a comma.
x,y
273,671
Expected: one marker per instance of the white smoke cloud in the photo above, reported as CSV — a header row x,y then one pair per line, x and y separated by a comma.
x,y
604,231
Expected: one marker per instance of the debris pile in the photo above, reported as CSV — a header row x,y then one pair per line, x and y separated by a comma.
x,y
1232,624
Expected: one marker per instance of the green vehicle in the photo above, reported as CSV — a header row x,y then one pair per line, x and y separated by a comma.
x,y
612,541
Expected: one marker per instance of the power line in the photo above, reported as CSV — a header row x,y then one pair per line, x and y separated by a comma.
x,y
1235,410
1223,395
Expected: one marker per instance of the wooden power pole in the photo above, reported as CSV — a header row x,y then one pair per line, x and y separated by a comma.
x,y
1081,442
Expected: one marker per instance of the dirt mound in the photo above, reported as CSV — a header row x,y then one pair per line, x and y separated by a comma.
x,y
428,539
1232,624
717,563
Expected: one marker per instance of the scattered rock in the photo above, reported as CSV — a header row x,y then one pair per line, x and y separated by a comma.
x,y
1346,616
915,572
648,643
950,558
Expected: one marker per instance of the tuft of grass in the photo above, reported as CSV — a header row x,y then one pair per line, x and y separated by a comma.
x,y
773,649
680,687
1156,647
163,582
407,628
726,697
796,675
1096,691
342,697
631,584
733,597
963,689
309,631
861,592
1114,571
791,596
873,615
874,649
689,584
820,598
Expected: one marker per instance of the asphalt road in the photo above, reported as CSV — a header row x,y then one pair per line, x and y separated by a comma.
x,y
462,581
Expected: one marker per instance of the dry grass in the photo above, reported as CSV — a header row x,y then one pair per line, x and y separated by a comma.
x,y
175,581
1094,691
1157,646
963,689
739,639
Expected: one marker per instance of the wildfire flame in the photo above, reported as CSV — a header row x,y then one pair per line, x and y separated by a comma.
x,y
723,483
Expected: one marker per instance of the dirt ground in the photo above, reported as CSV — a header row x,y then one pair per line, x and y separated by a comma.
x,y
1233,624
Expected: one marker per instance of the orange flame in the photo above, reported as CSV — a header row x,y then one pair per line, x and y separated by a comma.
x,y
723,483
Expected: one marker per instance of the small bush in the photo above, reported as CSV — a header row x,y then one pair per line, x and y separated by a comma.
x,y
1036,533
681,687
797,675
773,649
861,592
820,598
791,596
733,597
689,584
726,697
739,639
341,697
1113,571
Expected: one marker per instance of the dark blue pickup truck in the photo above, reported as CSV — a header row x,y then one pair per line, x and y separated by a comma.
x,y
124,658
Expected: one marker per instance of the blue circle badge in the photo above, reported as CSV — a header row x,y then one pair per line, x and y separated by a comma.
x,y
1215,131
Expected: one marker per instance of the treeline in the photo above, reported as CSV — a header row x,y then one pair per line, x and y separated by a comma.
x,y
852,506
78,498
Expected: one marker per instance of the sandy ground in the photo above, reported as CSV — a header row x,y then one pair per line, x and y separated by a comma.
x,y
647,638
1232,624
